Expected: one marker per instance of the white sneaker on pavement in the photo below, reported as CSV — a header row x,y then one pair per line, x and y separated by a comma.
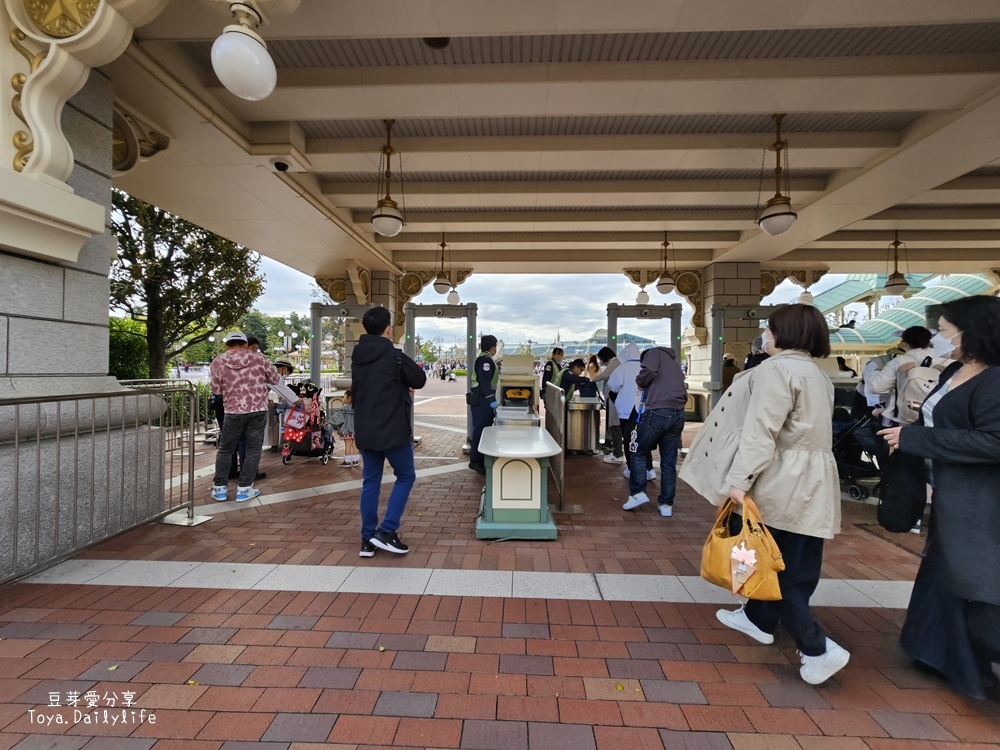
x,y
611,458
651,475
634,501
666,510
818,669
738,620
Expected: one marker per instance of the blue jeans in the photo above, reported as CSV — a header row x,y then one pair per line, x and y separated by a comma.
x,y
400,459
659,428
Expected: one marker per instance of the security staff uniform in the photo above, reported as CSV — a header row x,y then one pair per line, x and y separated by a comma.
x,y
552,369
484,387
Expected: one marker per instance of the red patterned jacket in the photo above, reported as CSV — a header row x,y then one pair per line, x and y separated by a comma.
x,y
241,376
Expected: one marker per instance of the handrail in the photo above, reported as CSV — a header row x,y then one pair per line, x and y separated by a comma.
x,y
86,467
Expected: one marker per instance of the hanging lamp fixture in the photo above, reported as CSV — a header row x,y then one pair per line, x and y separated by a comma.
x,y
777,216
240,58
441,283
642,298
666,283
387,219
896,284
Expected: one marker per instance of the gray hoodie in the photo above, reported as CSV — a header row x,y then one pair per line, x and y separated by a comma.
x,y
660,374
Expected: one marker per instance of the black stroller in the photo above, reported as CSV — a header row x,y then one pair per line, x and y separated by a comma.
x,y
855,453
307,432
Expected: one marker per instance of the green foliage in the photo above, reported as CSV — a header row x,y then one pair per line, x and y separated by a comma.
x,y
257,324
180,279
128,355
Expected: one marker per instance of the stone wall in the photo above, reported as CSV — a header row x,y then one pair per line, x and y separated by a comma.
x,y
54,317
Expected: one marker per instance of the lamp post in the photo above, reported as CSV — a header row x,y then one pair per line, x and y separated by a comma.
x,y
288,336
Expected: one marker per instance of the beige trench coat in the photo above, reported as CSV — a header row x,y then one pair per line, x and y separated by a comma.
x,y
771,435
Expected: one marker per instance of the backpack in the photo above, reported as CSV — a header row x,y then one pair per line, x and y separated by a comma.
x,y
917,383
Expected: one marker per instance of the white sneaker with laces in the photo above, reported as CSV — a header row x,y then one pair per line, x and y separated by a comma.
x,y
818,669
666,510
634,501
611,458
651,475
738,620
246,493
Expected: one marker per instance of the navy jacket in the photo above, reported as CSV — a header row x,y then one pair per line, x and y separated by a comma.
x,y
964,448
381,379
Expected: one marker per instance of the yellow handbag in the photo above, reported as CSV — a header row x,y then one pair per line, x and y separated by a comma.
x,y
748,563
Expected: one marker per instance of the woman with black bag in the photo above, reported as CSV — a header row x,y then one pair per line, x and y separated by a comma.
x,y
953,620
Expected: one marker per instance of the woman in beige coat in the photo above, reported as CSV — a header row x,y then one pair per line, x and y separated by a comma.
x,y
771,436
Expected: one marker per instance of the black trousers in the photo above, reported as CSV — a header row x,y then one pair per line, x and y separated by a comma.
x,y
803,556
482,417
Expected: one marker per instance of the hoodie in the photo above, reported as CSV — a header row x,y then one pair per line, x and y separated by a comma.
x,y
241,376
660,374
622,380
381,379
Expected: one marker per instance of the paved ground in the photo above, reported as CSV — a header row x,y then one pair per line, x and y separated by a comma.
x,y
262,628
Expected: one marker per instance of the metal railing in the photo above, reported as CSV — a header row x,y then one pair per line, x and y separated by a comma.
x,y
78,469
555,424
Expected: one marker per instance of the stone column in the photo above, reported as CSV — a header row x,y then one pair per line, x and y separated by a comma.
x,y
54,315
729,284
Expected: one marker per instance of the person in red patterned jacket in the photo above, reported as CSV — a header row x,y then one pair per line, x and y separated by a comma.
x,y
240,376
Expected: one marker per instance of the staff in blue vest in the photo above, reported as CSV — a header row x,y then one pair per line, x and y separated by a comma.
x,y
483,398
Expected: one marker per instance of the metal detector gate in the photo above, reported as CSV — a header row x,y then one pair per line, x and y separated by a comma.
x,y
469,312
653,312
720,314
317,312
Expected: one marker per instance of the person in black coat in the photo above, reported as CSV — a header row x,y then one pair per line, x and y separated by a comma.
x,y
483,399
953,620
382,383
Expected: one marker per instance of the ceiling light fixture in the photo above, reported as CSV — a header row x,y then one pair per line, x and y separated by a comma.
x,y
777,215
642,298
240,58
896,284
441,283
387,219
436,43
666,283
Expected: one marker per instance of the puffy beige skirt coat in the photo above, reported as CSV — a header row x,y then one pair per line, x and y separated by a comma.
x,y
771,435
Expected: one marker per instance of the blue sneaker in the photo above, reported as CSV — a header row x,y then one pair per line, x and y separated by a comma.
x,y
246,493
220,493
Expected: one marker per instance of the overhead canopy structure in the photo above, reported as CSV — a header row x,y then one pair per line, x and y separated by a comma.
x,y
883,331
548,136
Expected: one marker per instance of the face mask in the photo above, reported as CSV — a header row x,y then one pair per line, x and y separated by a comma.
x,y
943,346
765,339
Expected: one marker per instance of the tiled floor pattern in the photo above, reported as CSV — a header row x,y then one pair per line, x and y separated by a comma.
x,y
245,655
222,669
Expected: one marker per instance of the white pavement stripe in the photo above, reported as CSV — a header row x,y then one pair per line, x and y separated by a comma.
x,y
443,427
445,582
324,489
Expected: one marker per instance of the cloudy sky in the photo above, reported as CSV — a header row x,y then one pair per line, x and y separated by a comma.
x,y
516,308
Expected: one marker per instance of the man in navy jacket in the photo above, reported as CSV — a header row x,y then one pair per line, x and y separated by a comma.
x,y
382,383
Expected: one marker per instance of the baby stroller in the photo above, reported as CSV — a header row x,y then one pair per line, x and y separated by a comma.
x,y
307,433
853,454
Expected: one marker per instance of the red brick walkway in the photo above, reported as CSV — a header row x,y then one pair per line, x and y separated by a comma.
x,y
234,669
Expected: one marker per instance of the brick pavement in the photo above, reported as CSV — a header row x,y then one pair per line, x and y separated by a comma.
x,y
227,669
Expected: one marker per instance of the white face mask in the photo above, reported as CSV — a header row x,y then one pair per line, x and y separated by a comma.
x,y
765,339
943,346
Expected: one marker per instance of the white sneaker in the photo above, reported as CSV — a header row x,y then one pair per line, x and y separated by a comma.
x,y
626,473
246,493
651,475
634,501
738,620
611,458
666,510
818,669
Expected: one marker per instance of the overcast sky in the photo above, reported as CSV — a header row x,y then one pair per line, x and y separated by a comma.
x,y
515,308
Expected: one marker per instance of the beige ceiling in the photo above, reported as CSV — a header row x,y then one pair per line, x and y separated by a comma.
x,y
556,136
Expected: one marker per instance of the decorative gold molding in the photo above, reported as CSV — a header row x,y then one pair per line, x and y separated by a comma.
x,y
691,288
641,276
61,18
23,142
133,140
361,280
336,288
769,280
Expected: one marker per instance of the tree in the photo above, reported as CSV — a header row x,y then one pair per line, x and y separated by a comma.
x,y
256,323
177,278
128,356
